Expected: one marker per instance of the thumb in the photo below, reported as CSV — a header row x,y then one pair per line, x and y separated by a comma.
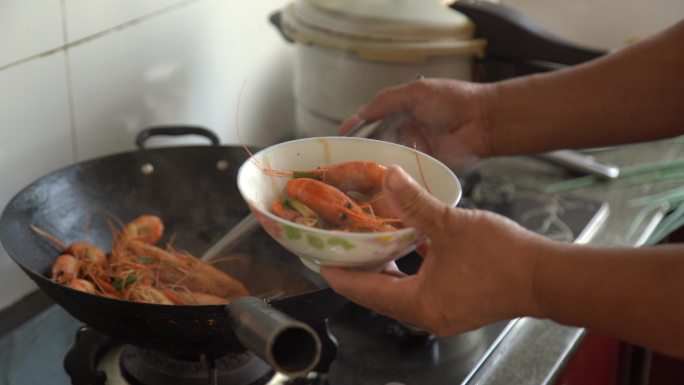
x,y
416,207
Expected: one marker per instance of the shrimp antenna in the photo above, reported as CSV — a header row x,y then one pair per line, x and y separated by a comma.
x,y
420,168
49,237
267,170
237,119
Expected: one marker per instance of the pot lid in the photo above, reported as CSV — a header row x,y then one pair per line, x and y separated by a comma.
x,y
388,20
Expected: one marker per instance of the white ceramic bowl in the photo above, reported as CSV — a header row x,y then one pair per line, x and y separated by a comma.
x,y
316,247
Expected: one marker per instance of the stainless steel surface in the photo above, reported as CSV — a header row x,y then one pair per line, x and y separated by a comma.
x,y
535,351
513,347
225,245
583,163
289,346
594,226
522,354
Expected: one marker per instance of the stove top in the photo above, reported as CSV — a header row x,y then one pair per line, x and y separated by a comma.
x,y
372,349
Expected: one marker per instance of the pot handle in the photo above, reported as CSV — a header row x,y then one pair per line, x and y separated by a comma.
x,y
289,346
147,133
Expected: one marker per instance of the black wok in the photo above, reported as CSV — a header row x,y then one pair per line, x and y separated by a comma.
x,y
193,189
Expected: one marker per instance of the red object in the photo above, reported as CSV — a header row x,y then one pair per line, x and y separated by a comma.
x,y
666,370
596,362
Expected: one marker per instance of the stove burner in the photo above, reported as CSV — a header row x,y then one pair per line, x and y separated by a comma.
x,y
148,367
96,359
374,349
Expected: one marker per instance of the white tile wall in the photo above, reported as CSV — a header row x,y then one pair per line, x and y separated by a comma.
x,y
34,140
28,27
186,66
607,24
87,17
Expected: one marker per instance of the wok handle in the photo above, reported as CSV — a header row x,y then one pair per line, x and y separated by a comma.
x,y
289,346
147,133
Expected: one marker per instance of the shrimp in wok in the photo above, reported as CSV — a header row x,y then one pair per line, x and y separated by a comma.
x,y
138,270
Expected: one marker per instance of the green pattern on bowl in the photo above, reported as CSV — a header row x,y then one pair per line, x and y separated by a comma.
x,y
315,242
345,244
292,233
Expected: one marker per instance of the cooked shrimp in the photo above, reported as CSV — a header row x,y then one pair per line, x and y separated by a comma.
x,y
137,270
182,297
147,294
65,268
363,177
145,228
188,271
280,210
333,206
90,257
82,285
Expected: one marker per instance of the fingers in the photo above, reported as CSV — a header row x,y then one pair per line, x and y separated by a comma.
x,y
385,294
348,124
416,207
389,100
423,249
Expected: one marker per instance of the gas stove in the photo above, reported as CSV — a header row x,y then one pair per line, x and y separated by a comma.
x,y
51,347
372,349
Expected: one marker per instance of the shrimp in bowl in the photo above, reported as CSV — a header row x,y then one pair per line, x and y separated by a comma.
x,y
321,198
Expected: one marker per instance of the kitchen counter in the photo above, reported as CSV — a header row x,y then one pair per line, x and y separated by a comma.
x,y
534,351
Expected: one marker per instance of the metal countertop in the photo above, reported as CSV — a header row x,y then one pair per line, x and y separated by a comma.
x,y
535,351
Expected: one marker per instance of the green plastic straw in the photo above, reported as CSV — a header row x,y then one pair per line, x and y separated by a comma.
x,y
642,215
629,176
671,223
674,195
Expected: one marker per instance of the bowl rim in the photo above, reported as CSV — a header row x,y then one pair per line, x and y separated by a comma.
x,y
336,233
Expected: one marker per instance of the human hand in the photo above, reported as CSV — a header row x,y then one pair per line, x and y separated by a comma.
x,y
477,269
444,118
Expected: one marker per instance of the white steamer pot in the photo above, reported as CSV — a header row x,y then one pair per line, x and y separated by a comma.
x,y
348,50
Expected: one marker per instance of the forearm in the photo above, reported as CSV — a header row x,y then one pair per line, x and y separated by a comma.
x,y
635,295
635,94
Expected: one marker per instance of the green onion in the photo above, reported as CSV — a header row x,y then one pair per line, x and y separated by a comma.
x,y
357,196
303,174
644,173
571,184
654,172
301,208
128,281
674,195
